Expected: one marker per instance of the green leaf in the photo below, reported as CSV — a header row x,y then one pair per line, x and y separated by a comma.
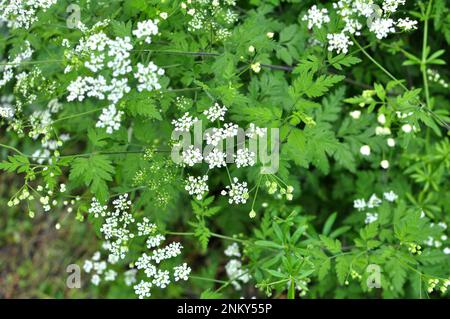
x,y
94,172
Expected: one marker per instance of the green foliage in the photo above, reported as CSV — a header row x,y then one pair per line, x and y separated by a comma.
x,y
300,233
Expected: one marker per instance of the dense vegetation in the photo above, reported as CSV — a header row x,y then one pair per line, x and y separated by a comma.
x,y
351,95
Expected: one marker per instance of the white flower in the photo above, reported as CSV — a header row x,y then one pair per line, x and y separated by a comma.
x,y
407,128
191,156
365,150
381,119
130,277
162,279
232,250
109,119
216,158
382,130
143,289
170,251
95,280
197,186
390,142
390,6
148,77
181,272
155,241
87,266
235,272
359,204
374,201
244,158
407,24
229,130
316,17
237,192
339,42
256,67
110,275
371,217
184,123
215,112
254,131
146,29
446,251
22,14
355,114
145,228
382,27
97,209
390,196
384,164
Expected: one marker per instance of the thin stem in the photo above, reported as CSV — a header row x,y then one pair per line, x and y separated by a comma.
x,y
208,279
379,65
13,149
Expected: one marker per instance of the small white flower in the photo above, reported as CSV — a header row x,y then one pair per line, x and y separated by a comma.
x,y
244,158
181,272
384,164
143,289
184,123
232,250
215,158
237,192
109,119
148,77
382,27
339,42
374,201
191,156
390,142
215,112
359,204
146,29
355,114
371,217
316,17
407,24
407,128
197,186
365,150
390,196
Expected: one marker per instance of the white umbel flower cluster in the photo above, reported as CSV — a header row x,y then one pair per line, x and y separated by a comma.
x,y
118,228
110,119
101,54
7,71
356,14
146,29
184,123
197,186
191,156
148,77
214,15
373,202
244,158
216,158
237,192
22,14
234,268
316,17
216,112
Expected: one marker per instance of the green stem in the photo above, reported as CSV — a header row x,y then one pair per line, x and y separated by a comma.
x,y
389,74
13,149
